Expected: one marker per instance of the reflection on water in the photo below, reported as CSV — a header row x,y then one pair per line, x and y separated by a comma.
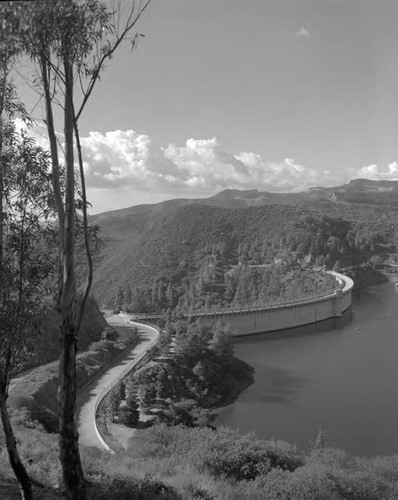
x,y
339,376
312,329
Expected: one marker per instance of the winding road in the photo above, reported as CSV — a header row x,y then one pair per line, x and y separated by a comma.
x,y
88,399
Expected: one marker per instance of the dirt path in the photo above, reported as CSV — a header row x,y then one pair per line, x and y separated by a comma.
x,y
87,399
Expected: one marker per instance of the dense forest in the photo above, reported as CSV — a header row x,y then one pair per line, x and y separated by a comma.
x,y
215,286
192,370
204,257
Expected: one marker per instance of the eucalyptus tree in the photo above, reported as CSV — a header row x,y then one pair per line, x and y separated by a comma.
x,y
71,41
15,314
27,269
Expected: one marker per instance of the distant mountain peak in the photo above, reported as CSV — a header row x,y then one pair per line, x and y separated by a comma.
x,y
229,194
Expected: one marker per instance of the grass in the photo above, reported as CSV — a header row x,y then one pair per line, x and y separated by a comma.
x,y
179,463
223,465
36,391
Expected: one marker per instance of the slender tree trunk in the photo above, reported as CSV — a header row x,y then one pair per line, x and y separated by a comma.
x,y
2,90
13,455
53,144
69,450
85,226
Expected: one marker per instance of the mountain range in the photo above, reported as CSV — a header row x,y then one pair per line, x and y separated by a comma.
x,y
144,242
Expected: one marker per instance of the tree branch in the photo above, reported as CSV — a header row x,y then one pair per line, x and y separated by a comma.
x,y
131,22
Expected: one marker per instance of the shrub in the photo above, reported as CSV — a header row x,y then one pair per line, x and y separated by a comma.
x,y
114,404
360,485
221,453
129,413
305,483
244,457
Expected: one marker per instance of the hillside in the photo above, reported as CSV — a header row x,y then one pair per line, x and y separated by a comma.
x,y
362,191
46,346
171,241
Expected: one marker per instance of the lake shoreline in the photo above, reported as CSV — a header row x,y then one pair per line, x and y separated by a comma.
x,y
327,377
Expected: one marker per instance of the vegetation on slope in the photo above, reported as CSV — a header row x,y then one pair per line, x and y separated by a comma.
x,y
192,370
47,345
241,468
222,464
35,393
169,259
181,463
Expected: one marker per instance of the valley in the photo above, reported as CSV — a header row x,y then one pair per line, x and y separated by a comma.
x,y
188,256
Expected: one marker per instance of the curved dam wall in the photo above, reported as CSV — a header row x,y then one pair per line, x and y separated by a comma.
x,y
288,315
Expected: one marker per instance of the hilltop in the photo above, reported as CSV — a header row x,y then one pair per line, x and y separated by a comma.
x,y
169,241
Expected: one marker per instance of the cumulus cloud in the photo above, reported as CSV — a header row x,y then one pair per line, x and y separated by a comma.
x,y
125,158
122,161
374,172
303,32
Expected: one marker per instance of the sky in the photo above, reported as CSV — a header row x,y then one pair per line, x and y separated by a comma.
x,y
277,95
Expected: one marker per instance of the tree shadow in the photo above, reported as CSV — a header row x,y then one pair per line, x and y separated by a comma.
x,y
278,385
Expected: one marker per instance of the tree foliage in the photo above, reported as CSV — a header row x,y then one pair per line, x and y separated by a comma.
x,y
26,266
212,257
195,372
69,41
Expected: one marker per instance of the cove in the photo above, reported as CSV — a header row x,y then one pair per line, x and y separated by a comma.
x,y
340,376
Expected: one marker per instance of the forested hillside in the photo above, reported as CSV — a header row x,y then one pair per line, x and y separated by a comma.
x,y
199,253
47,346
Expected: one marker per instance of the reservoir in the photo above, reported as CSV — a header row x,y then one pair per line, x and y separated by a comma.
x,y
339,376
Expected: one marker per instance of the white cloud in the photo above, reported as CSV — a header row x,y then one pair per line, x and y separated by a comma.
x,y
303,32
374,172
200,166
118,163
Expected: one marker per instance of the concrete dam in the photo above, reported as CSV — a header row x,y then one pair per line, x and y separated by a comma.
x,y
282,316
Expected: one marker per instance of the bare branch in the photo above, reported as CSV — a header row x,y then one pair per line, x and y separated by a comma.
x,y
131,22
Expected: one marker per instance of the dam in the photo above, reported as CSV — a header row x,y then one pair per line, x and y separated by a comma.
x,y
271,318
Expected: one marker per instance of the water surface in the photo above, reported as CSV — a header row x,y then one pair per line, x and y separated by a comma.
x,y
340,376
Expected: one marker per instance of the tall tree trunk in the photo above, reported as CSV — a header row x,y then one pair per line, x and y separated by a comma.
x,y
69,450
85,227
13,455
2,90
53,143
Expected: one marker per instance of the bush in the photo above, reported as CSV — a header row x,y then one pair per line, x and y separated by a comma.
x,y
301,484
114,404
129,413
244,457
186,412
221,453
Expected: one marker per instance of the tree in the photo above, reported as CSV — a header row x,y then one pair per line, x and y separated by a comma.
x,y
129,413
193,339
114,403
122,391
128,296
25,266
221,342
71,41
24,208
119,300
185,412
376,260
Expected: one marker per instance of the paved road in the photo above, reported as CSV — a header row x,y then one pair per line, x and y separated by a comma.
x,y
87,399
